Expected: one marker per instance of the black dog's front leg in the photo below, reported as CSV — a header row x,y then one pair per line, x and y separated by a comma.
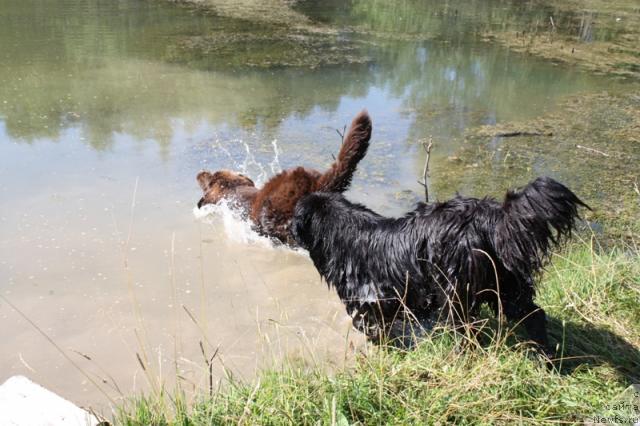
x,y
375,320
389,323
363,320
534,320
536,325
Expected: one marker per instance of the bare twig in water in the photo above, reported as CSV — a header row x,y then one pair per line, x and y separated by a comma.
x,y
341,134
552,30
586,148
344,130
425,175
518,133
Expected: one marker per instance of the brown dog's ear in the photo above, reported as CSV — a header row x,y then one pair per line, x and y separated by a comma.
x,y
204,180
247,178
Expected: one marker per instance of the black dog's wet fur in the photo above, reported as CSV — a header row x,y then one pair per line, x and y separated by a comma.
x,y
440,261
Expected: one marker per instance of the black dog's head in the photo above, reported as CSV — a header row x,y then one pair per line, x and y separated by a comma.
x,y
323,216
307,217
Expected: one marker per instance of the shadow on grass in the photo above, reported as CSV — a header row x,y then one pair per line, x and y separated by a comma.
x,y
589,345
578,345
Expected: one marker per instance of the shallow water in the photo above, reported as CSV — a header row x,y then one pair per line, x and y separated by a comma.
x,y
109,109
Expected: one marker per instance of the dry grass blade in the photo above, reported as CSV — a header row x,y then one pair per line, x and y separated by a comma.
x,y
58,348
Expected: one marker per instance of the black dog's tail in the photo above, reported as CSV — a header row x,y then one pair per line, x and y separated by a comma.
x,y
535,217
353,149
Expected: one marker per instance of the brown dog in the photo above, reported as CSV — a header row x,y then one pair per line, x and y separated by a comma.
x,y
270,208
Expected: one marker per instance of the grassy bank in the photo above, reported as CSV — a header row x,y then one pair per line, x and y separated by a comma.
x,y
592,297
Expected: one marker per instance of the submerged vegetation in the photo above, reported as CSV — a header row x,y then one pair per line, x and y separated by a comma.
x,y
591,296
279,36
590,141
598,35
258,11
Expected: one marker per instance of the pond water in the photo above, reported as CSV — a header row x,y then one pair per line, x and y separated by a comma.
x,y
109,109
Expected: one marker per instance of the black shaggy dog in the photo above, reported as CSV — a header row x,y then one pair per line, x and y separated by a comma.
x,y
439,262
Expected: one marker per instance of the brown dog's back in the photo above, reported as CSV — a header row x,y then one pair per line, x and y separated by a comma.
x,y
272,209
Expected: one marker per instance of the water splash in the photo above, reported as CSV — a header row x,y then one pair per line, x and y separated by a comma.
x,y
237,228
275,163
259,171
250,160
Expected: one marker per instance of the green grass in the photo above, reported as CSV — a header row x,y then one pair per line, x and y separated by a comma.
x,y
592,298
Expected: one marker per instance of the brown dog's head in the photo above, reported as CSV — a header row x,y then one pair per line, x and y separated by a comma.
x,y
220,184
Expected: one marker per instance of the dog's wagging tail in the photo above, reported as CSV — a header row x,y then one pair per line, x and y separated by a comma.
x,y
440,262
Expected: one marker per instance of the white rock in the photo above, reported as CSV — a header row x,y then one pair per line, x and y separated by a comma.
x,y
24,403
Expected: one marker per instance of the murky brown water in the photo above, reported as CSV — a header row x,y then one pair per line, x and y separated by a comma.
x,y
103,104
